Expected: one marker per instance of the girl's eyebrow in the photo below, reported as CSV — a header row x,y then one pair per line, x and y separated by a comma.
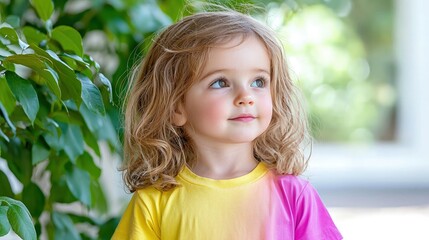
x,y
256,70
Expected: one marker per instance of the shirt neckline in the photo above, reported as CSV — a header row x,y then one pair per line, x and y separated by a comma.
x,y
259,171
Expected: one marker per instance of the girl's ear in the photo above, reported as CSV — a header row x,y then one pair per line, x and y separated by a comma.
x,y
179,116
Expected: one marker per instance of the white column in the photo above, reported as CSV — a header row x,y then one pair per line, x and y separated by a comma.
x,y
412,45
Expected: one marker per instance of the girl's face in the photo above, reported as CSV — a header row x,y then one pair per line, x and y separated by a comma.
x,y
231,103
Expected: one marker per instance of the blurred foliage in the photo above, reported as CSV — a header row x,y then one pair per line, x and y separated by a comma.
x,y
341,54
64,67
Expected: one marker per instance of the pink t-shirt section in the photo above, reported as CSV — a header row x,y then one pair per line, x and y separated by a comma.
x,y
296,204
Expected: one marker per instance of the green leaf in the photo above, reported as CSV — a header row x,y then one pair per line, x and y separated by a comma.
x,y
86,162
52,135
4,136
21,223
5,188
42,66
34,199
73,141
91,95
38,153
85,219
71,117
3,112
19,218
64,228
106,83
13,20
108,228
52,80
107,131
71,87
92,62
33,36
5,64
78,181
25,93
69,39
11,201
71,63
18,157
19,116
44,8
93,121
98,197
61,193
7,99
76,58
91,141
4,222
7,32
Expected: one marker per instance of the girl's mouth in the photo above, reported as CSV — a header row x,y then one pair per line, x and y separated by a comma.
x,y
243,118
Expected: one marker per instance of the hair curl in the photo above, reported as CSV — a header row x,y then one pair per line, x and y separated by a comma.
x,y
154,149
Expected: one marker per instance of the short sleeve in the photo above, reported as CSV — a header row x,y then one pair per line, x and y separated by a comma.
x,y
312,218
139,220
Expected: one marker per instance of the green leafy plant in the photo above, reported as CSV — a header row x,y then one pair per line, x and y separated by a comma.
x,y
52,121
14,215
56,105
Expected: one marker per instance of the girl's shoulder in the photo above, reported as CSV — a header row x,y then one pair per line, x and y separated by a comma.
x,y
294,186
289,180
150,194
312,218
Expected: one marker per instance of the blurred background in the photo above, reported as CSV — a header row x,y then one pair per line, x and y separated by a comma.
x,y
363,70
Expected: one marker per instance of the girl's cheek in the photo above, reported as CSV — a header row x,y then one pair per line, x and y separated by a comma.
x,y
267,103
216,109
208,109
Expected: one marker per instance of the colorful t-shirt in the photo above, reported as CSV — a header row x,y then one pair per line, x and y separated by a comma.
x,y
258,205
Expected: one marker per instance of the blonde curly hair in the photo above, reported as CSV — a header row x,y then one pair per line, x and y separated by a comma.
x,y
155,150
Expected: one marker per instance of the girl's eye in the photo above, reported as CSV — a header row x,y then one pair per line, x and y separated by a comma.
x,y
259,83
219,84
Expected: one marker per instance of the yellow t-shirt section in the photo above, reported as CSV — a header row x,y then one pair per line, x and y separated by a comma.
x,y
201,208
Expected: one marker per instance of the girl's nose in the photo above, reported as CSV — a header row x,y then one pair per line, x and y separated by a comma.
x,y
244,100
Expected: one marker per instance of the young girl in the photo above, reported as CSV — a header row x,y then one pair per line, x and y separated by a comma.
x,y
213,132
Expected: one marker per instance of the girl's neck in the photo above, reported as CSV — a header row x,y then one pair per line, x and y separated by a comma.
x,y
224,162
